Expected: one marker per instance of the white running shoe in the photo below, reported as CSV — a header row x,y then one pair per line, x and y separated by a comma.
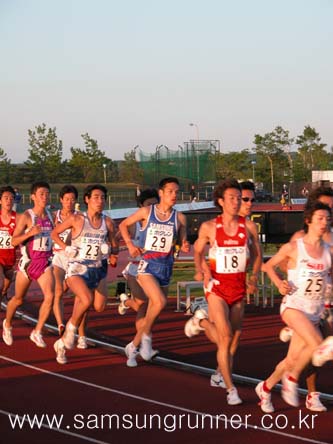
x,y
216,380
131,353
232,397
313,402
146,350
192,326
286,334
265,398
289,391
60,349
323,353
37,338
68,337
7,335
122,307
82,342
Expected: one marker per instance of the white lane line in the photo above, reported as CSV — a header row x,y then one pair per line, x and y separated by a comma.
x,y
153,401
45,426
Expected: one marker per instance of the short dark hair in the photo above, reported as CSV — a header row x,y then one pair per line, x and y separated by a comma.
x,y
148,193
90,188
222,186
36,185
66,189
166,180
315,194
247,185
8,189
311,209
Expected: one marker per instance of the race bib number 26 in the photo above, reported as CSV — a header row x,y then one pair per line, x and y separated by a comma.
x,y
5,240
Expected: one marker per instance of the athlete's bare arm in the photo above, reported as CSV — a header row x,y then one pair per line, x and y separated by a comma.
x,y
74,222
182,233
113,240
287,253
141,215
24,229
255,254
202,271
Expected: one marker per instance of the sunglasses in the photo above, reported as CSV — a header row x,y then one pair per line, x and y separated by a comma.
x,y
247,199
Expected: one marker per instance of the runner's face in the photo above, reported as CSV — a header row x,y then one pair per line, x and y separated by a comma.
x,y
320,222
231,201
246,206
41,197
7,200
168,195
96,202
68,201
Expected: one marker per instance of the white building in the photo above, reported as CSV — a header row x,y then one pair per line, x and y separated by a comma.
x,y
322,177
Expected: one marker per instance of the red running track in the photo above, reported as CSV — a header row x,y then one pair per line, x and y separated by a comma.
x,y
96,384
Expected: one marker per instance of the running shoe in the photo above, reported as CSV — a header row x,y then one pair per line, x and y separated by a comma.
x,y
192,326
69,336
82,342
60,349
323,353
265,398
7,335
131,353
146,350
216,380
122,307
313,402
37,338
289,391
232,397
286,334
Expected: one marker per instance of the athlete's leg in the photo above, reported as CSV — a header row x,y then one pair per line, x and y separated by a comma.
x,y
22,284
46,283
58,306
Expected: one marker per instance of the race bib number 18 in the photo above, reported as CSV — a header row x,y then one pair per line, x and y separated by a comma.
x,y
231,260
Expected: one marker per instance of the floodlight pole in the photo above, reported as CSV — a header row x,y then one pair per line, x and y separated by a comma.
x,y
197,150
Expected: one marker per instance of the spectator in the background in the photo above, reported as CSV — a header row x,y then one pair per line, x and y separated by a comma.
x,y
305,192
192,194
137,195
17,199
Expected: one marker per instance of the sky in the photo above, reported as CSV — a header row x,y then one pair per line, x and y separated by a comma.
x,y
137,72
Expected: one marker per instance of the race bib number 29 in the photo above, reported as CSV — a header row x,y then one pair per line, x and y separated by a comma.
x,y
159,238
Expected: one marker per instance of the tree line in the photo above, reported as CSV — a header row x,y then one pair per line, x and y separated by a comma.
x,y
275,158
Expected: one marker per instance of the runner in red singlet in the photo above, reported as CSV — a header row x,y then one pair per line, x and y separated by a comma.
x,y
232,240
